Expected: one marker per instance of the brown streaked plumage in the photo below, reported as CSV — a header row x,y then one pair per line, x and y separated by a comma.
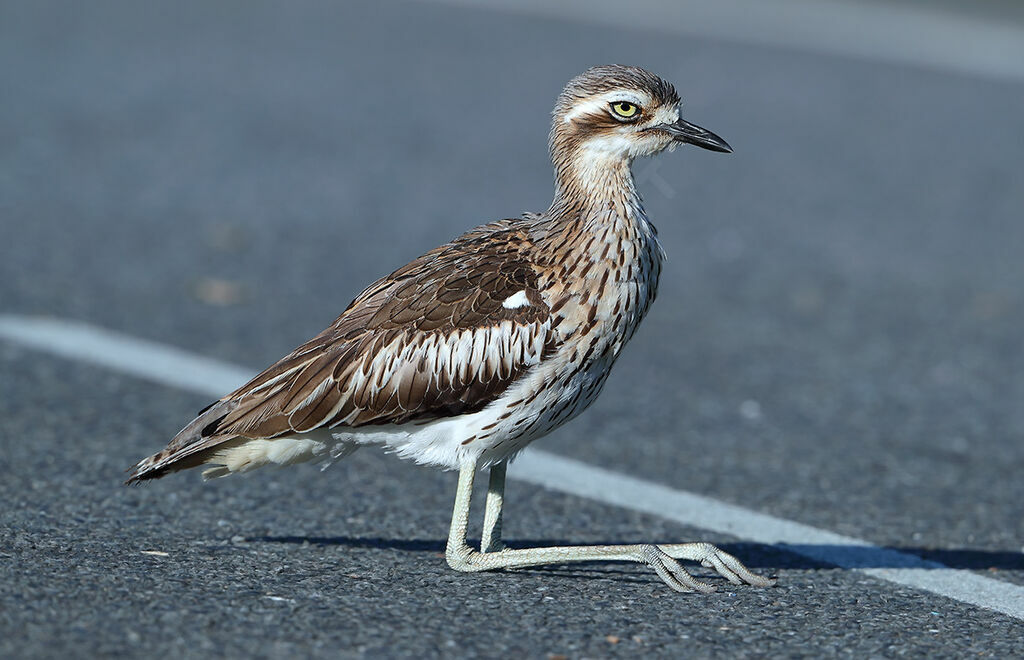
x,y
465,355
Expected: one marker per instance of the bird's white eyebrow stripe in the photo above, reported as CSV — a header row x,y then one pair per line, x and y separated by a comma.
x,y
600,103
589,107
178,368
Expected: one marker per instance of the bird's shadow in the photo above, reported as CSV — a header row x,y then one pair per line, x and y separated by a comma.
x,y
753,555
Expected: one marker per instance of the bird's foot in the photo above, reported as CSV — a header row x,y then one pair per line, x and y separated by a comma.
x,y
671,571
709,556
662,558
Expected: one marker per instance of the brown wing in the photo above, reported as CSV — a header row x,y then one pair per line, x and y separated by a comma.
x,y
444,335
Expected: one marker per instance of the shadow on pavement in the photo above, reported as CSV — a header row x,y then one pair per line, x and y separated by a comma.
x,y
752,554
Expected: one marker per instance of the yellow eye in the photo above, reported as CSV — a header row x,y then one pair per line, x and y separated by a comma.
x,y
625,109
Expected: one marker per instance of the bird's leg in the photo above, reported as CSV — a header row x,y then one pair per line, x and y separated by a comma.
x,y
458,551
662,559
491,540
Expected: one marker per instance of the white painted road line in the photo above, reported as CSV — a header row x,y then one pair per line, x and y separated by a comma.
x,y
917,34
146,359
177,368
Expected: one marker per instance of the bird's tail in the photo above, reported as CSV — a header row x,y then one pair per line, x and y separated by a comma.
x,y
250,453
200,443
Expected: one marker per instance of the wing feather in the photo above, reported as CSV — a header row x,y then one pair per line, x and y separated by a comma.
x,y
431,340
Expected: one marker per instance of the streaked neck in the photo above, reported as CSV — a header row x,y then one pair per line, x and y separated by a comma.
x,y
592,180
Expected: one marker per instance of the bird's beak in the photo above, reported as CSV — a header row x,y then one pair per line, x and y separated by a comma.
x,y
684,131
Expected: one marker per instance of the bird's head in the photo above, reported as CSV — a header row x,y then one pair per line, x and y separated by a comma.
x,y
616,113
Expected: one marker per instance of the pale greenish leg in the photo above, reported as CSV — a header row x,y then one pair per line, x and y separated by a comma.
x,y
662,558
491,540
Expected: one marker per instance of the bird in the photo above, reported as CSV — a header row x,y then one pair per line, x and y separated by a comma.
x,y
467,354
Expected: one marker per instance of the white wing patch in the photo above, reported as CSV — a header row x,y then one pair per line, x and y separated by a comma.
x,y
516,300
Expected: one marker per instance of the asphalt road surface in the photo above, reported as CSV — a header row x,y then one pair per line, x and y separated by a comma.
x,y
837,339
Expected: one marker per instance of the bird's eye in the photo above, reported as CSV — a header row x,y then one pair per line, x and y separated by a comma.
x,y
625,109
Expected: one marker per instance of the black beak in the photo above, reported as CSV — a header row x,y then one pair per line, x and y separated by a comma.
x,y
684,131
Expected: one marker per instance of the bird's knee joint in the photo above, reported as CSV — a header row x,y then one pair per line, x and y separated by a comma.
x,y
459,559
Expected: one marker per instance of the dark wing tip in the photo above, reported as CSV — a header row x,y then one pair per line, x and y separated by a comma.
x,y
198,435
147,469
